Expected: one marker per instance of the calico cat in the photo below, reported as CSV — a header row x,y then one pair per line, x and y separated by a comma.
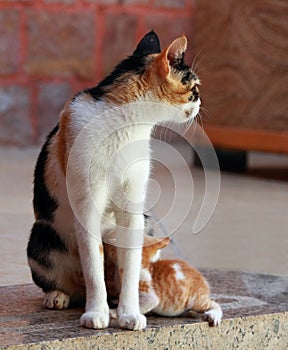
x,y
166,287
91,175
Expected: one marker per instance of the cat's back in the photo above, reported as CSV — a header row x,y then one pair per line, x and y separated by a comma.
x,y
178,286
52,161
179,271
49,193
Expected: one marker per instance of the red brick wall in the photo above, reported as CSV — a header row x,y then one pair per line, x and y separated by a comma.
x,y
49,49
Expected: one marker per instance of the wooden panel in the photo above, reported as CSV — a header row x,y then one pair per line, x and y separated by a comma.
x,y
242,49
243,139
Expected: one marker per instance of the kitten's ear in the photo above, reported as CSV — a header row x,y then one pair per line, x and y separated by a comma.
x,y
163,243
171,55
156,242
149,44
159,242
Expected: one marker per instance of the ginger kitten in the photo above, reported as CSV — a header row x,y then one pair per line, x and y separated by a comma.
x,y
167,287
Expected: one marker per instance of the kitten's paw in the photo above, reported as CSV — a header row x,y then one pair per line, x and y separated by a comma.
x,y
213,316
96,320
134,322
56,300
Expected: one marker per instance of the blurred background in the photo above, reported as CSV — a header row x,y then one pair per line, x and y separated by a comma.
x,y
50,49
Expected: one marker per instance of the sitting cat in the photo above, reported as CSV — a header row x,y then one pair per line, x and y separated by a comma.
x,y
166,287
93,170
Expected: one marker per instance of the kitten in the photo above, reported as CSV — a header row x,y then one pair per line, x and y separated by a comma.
x,y
166,287
91,174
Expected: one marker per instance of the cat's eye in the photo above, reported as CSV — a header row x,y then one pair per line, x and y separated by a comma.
x,y
195,94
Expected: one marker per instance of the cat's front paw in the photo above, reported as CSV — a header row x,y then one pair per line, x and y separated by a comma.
x,y
56,300
133,322
94,319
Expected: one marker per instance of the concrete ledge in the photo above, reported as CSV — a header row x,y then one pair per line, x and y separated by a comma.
x,y
255,317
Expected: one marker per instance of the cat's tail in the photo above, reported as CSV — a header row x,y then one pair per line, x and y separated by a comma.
x,y
214,313
209,308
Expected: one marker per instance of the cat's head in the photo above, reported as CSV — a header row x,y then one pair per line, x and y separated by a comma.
x,y
172,81
152,249
161,77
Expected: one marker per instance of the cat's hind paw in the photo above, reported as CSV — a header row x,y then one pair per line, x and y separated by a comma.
x,y
56,300
95,320
133,322
213,316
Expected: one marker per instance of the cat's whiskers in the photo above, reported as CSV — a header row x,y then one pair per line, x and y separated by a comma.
x,y
169,132
155,130
205,111
199,120
164,129
195,58
161,132
202,116
191,124
195,62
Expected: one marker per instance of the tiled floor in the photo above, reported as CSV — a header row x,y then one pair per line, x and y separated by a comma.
x,y
248,231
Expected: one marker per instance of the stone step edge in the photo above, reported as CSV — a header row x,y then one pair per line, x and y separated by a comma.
x,y
252,332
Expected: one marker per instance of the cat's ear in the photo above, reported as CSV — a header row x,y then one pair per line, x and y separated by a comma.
x,y
160,243
171,55
156,242
176,49
163,242
148,45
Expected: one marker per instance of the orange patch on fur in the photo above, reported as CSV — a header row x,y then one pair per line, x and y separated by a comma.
x,y
173,91
63,137
143,287
190,292
150,247
126,89
101,249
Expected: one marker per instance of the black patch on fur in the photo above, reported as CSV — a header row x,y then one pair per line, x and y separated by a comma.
x,y
148,45
43,239
136,63
112,302
43,203
195,93
41,282
182,67
148,224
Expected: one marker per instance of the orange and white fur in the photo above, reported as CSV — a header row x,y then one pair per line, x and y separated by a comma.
x,y
167,287
104,133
